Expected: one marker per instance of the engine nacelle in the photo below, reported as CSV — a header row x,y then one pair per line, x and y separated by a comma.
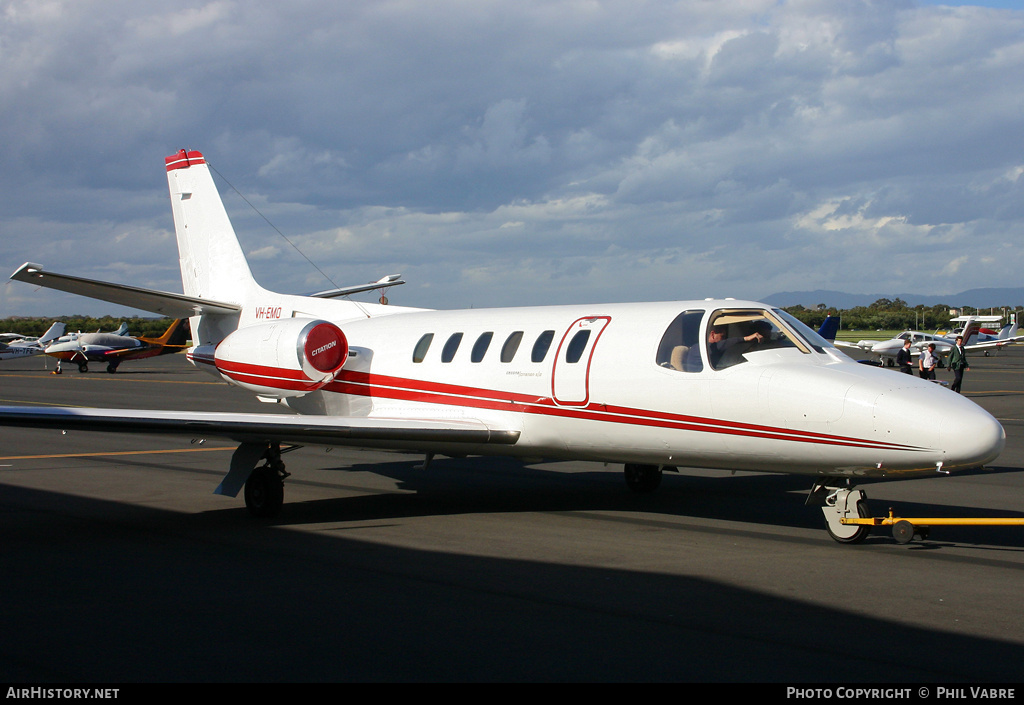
x,y
286,358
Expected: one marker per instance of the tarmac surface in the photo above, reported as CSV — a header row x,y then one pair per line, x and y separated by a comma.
x,y
119,565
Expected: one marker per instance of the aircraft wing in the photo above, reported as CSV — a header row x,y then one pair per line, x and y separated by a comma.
x,y
162,302
399,433
853,349
988,344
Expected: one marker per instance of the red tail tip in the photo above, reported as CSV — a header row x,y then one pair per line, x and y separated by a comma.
x,y
184,159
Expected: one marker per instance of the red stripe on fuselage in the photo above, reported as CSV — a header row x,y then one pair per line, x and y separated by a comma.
x,y
427,392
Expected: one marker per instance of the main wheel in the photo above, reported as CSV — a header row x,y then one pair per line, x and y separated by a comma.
x,y
264,492
642,478
851,533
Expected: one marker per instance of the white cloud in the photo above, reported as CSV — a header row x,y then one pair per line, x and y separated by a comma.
x,y
555,150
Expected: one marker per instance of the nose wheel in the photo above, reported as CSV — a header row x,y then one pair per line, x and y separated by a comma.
x,y
843,503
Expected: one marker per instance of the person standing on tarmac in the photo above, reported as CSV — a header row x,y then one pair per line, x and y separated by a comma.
x,y
928,362
958,363
904,358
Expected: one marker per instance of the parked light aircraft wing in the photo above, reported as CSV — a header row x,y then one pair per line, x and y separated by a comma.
x,y
163,302
990,344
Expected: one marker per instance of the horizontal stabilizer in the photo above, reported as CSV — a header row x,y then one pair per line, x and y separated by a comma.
x,y
260,428
162,302
382,283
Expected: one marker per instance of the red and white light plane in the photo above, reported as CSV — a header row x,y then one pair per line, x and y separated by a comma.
x,y
654,386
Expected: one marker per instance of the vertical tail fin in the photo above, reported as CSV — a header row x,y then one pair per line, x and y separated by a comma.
x,y
829,328
55,331
212,263
176,334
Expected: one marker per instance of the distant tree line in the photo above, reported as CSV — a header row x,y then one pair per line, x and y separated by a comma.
x,y
137,325
886,314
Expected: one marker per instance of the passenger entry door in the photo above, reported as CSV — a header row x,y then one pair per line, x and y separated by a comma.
x,y
570,376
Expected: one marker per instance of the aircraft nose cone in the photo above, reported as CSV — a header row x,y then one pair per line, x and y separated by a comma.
x,y
945,426
972,436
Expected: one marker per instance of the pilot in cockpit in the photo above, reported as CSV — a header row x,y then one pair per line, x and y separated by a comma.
x,y
719,345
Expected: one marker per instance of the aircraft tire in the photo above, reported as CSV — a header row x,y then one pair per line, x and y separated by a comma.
x,y
642,478
859,534
83,367
264,492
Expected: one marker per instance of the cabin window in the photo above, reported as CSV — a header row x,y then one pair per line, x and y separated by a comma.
x,y
574,351
480,347
508,350
540,348
420,351
451,346
680,345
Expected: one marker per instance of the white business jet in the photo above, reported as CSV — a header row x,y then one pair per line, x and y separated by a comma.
x,y
14,346
654,386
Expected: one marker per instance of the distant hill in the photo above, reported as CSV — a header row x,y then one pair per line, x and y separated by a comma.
x,y
975,298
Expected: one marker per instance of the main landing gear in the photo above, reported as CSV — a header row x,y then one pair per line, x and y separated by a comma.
x,y
838,502
264,488
642,478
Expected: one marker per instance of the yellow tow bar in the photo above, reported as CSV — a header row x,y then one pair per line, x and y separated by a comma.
x,y
904,530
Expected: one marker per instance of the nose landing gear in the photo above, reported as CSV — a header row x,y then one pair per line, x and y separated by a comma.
x,y
839,502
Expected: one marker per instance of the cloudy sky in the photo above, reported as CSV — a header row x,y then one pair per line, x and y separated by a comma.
x,y
508,152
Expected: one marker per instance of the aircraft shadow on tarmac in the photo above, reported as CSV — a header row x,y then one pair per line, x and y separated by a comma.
x,y
504,485
150,595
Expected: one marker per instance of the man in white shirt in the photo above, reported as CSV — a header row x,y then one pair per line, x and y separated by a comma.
x,y
928,362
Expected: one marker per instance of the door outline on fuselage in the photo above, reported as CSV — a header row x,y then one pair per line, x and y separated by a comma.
x,y
570,381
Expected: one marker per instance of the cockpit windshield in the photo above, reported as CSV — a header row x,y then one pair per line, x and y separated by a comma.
x,y
731,335
800,328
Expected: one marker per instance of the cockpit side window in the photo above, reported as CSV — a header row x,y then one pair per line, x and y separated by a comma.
x,y
680,345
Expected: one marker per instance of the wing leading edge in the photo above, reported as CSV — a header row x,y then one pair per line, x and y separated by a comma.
x,y
264,428
162,302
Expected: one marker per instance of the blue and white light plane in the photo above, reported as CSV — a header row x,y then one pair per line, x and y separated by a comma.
x,y
976,340
653,386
